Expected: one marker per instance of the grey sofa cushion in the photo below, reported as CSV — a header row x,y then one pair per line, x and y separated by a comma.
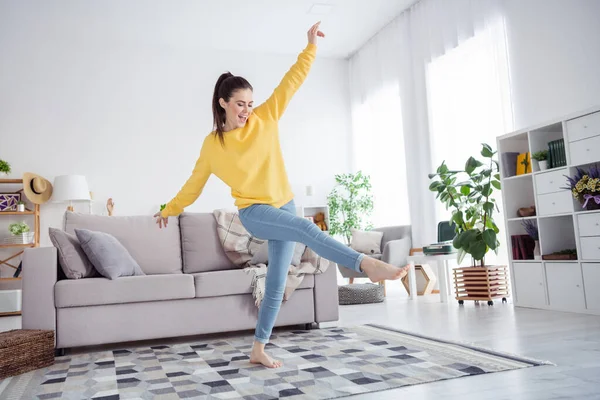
x,y
108,256
129,289
202,251
157,251
262,255
235,281
71,256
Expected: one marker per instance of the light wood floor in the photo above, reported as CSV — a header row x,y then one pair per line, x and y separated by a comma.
x,y
571,341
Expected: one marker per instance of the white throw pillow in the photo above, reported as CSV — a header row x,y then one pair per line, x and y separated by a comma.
x,y
367,242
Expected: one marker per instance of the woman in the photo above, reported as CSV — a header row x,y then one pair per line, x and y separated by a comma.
x,y
244,152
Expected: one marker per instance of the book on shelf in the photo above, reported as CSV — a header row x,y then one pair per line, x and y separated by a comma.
x,y
522,247
557,156
524,163
562,153
509,164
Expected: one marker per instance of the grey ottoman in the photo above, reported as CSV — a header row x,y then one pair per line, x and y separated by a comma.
x,y
360,293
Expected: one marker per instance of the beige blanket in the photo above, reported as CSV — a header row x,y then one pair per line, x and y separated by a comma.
x,y
240,247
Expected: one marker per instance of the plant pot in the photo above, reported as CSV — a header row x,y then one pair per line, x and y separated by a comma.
x,y
3,175
590,204
21,207
543,165
23,238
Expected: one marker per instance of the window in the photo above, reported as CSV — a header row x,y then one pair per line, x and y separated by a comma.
x,y
379,152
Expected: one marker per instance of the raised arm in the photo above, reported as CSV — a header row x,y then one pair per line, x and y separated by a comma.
x,y
275,105
191,189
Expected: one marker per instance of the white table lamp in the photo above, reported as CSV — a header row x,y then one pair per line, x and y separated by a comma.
x,y
70,188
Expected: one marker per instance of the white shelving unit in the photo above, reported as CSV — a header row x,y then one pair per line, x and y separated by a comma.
x,y
570,285
311,211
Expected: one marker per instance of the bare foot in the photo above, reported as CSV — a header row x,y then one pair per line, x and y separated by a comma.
x,y
260,357
378,271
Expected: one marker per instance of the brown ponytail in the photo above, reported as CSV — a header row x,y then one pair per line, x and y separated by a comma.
x,y
226,85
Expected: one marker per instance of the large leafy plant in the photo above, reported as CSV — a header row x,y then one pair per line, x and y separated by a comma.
x,y
469,194
350,204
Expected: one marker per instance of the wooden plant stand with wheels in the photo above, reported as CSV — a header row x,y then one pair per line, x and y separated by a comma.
x,y
481,284
20,247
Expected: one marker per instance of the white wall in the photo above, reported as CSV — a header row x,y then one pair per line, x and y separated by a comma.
x,y
131,117
554,50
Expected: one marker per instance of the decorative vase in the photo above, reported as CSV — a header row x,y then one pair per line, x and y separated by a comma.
x,y
543,164
21,207
536,251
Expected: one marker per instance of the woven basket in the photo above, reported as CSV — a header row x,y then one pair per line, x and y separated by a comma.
x,y
357,293
24,350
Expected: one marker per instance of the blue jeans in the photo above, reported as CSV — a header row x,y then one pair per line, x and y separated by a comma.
x,y
282,228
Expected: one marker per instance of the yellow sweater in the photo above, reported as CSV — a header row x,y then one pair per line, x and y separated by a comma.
x,y
251,163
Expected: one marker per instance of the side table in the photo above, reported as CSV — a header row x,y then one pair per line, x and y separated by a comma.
x,y
443,276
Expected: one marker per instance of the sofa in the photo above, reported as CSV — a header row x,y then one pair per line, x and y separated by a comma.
x,y
396,243
190,287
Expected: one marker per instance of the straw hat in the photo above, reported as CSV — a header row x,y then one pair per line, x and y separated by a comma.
x,y
37,189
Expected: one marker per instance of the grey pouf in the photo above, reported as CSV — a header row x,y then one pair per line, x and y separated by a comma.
x,y
360,293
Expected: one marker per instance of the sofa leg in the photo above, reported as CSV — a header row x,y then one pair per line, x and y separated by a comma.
x,y
308,327
59,352
351,280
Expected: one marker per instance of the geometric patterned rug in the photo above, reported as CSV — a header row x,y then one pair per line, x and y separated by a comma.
x,y
318,364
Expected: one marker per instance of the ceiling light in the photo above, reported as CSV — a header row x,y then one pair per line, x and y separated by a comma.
x,y
320,9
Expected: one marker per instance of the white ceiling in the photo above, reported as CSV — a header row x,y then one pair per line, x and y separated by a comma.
x,y
272,26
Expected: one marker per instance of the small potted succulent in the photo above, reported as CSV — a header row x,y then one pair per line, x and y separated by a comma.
x,y
21,232
542,159
4,169
21,206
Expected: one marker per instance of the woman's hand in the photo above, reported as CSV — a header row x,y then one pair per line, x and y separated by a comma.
x,y
160,220
314,32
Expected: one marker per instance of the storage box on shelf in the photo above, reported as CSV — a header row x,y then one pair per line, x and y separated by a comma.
x,y
569,280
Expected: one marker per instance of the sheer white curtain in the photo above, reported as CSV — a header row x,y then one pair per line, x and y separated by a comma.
x,y
379,145
469,104
378,134
400,54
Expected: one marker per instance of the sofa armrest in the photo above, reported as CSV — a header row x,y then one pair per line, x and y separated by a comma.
x,y
395,252
40,267
326,295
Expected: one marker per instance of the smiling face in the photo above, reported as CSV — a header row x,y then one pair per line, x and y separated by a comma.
x,y
237,109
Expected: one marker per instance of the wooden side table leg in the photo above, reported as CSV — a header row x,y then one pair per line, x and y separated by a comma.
x,y
382,283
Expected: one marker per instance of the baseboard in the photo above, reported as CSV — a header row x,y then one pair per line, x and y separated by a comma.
x,y
326,325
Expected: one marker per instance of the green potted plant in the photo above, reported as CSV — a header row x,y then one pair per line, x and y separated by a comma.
x,y
21,206
542,159
350,204
4,169
21,232
469,194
